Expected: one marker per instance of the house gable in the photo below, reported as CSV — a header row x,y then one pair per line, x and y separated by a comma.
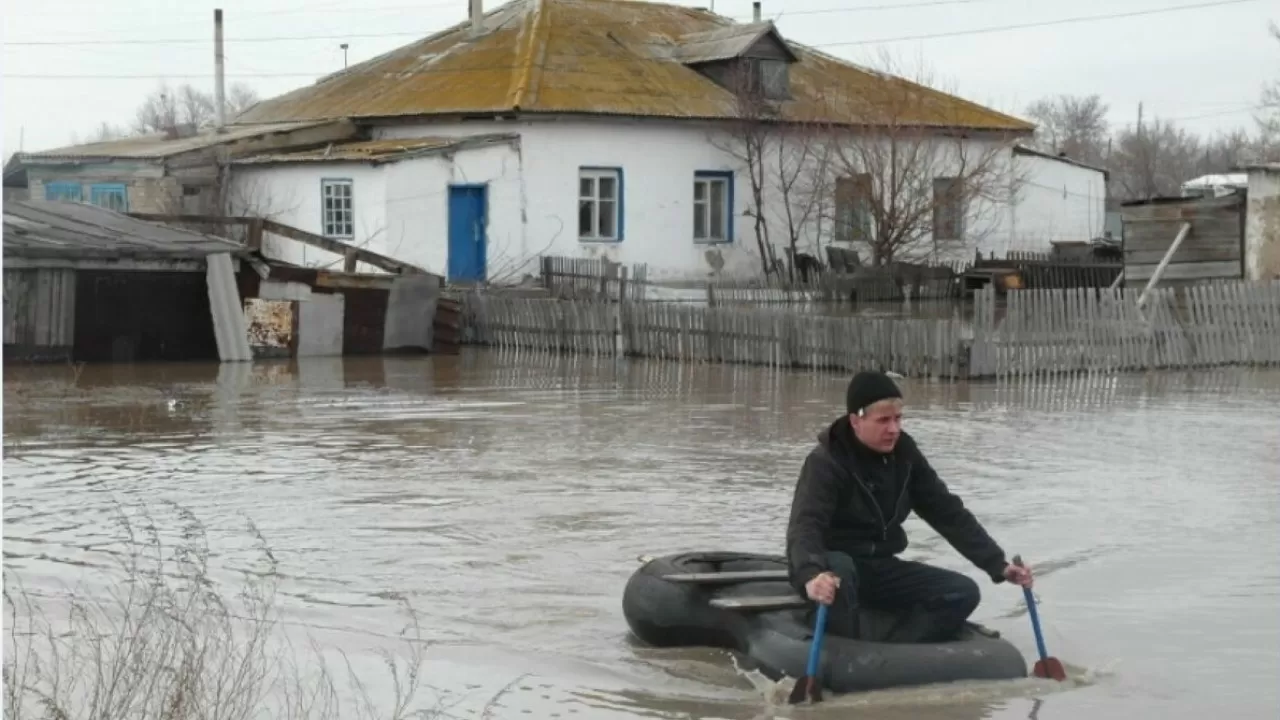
x,y
752,60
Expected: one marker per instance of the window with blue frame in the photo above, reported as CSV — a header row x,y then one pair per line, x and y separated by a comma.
x,y
600,217
69,191
110,195
712,206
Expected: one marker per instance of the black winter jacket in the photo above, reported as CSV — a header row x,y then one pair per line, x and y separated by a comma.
x,y
852,499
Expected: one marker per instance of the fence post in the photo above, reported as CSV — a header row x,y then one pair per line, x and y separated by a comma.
x,y
619,349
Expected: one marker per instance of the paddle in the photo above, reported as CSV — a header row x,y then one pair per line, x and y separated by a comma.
x,y
808,686
1046,667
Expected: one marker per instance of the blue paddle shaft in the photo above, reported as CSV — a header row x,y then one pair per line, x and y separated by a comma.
x,y
1035,622
815,650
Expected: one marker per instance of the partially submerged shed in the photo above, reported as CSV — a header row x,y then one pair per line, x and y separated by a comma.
x,y
1212,247
86,283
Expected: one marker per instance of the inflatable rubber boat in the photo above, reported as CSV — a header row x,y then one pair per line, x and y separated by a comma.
x,y
743,603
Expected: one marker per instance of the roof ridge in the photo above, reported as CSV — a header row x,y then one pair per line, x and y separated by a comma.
x,y
530,47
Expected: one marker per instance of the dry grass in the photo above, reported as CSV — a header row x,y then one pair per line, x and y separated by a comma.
x,y
163,642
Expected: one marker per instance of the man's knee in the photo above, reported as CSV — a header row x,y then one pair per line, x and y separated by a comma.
x,y
960,593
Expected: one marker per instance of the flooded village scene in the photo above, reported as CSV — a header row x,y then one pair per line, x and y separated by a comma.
x,y
698,360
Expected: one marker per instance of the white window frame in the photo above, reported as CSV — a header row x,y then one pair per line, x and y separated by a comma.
x,y
703,207
595,175
332,221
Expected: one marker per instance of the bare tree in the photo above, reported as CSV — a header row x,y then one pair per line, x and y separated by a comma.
x,y
748,138
166,109
797,176
913,185
1072,125
1153,159
1268,117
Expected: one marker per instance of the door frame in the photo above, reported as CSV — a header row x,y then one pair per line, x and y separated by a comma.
x,y
484,223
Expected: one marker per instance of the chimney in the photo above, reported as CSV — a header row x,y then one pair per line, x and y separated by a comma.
x,y
219,73
477,17
755,11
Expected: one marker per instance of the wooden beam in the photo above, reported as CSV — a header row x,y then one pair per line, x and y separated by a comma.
x,y
713,578
160,264
193,219
1188,271
342,249
769,602
1164,262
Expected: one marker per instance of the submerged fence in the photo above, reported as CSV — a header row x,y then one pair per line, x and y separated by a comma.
x,y
1036,332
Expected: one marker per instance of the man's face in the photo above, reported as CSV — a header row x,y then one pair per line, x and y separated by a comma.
x,y
879,425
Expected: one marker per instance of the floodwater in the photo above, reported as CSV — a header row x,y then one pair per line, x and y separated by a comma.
x,y
507,496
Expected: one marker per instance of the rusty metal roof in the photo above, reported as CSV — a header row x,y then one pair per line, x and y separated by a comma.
x,y
613,57
378,151
158,147
70,230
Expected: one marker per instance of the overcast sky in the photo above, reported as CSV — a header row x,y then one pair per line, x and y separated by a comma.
x,y
70,64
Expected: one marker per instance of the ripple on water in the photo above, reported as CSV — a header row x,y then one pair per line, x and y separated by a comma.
x,y
508,496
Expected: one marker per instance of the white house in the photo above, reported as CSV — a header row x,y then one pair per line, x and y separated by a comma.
x,y
1058,199
596,128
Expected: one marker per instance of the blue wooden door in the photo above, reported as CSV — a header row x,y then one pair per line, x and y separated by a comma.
x,y
467,211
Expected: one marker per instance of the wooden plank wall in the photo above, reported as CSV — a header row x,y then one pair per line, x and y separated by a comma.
x,y
39,308
1212,251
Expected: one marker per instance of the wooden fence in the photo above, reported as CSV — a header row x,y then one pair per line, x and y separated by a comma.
x,y
1056,331
1036,332
591,279
758,336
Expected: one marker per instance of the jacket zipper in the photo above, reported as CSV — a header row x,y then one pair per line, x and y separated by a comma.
x,y
884,524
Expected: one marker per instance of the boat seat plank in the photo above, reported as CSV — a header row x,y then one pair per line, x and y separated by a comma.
x,y
768,602
713,578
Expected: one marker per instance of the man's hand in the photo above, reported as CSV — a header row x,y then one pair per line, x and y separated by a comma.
x,y
822,589
1018,575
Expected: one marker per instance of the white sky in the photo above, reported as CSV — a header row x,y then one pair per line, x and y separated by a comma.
x,y
85,61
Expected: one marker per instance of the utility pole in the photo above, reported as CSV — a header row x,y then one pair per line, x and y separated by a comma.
x,y
344,55
219,73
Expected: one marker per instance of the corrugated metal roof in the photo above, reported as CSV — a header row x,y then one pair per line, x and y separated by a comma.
x,y
51,229
158,147
376,151
720,44
603,57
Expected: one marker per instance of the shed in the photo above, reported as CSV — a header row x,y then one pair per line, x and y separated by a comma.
x,y
86,283
1262,226
165,172
1211,249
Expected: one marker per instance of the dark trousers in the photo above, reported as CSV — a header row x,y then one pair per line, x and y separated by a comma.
x,y
932,603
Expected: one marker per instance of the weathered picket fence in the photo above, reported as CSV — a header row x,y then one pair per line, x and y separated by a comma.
x,y
1032,332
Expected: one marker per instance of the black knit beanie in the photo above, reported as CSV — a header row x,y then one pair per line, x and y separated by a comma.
x,y
869,387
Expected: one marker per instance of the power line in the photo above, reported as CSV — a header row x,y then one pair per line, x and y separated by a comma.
x,y
423,34
1045,23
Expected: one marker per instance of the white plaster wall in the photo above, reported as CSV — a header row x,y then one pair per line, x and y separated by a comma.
x,y
1056,202
401,208
1262,226
417,209
659,160
290,194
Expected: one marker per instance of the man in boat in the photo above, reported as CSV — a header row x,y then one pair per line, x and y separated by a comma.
x,y
856,487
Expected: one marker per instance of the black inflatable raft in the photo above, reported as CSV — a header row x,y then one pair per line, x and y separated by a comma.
x,y
743,603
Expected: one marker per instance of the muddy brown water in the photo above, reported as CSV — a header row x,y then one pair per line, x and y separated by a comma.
x,y
508,495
